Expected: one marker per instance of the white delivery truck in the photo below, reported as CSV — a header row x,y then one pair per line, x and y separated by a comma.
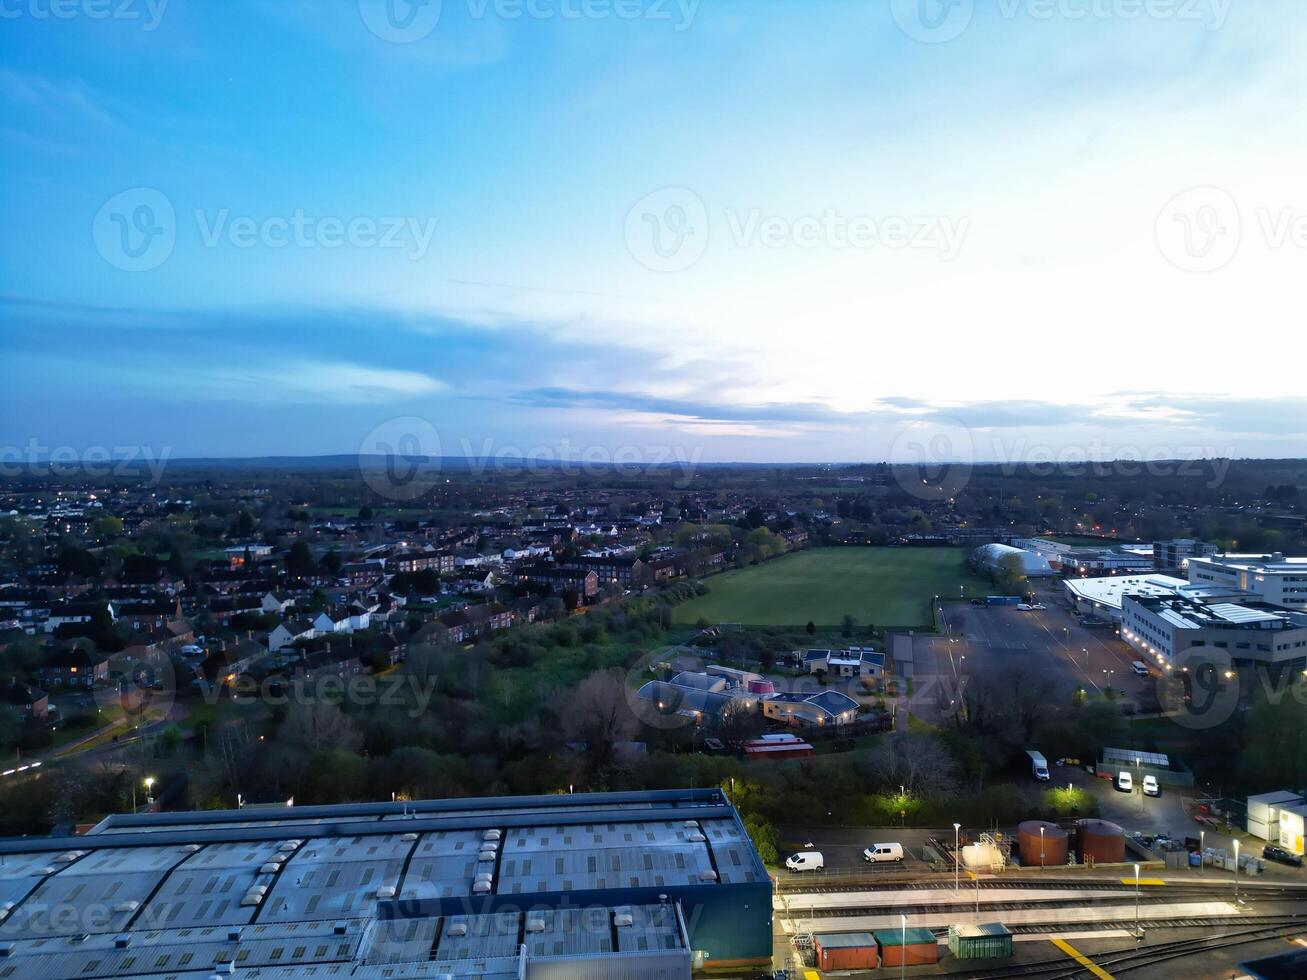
x,y
1038,765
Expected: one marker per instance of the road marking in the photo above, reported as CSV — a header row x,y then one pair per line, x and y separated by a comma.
x,y
1142,881
1083,960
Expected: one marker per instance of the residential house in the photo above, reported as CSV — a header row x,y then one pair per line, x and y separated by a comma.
x,y
816,710
75,667
32,704
852,662
288,633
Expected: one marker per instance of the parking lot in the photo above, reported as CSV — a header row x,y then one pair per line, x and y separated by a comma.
x,y
1049,643
842,847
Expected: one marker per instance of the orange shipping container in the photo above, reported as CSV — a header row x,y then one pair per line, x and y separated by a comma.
x,y
920,949
845,951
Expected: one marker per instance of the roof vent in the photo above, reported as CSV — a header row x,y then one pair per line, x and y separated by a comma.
x,y
707,874
535,924
386,891
457,929
191,847
623,920
491,835
6,949
480,887
691,824
697,838
122,941
269,868
49,869
233,935
339,928
486,856
409,836
131,905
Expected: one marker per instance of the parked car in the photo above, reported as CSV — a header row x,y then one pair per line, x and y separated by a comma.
x,y
1272,852
881,853
977,602
1038,605
1025,606
1151,787
1125,782
805,861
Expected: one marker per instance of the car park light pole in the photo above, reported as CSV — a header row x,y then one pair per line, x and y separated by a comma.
x,y
903,950
1202,854
956,859
1236,871
1041,847
1138,934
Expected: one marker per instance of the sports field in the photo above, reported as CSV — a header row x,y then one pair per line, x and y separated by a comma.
x,y
884,586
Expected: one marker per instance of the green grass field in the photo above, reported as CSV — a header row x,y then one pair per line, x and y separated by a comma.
x,y
884,586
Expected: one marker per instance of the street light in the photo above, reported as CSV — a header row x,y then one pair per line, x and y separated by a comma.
x,y
1236,872
1202,852
956,856
149,790
903,951
1041,847
1138,934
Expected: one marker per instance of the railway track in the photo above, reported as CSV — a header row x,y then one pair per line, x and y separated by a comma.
x,y
1246,888
1123,961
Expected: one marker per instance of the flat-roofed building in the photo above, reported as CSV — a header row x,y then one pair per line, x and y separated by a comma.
x,y
1277,579
1247,630
650,884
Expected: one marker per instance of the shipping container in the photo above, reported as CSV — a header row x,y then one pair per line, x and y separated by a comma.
x,y
915,947
989,941
845,951
1003,600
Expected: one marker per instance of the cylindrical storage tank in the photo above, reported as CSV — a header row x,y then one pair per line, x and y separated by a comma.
x,y
1048,853
1101,842
762,687
915,947
981,855
845,951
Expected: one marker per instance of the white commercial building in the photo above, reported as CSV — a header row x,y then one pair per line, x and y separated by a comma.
x,y
988,558
1102,596
1277,579
1246,629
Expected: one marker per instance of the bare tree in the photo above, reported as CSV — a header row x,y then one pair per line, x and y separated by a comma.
x,y
737,722
314,725
597,713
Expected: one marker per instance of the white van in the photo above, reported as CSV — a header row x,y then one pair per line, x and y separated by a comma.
x,y
1140,668
1125,782
880,853
805,861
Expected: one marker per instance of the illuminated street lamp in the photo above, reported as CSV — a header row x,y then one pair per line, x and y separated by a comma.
x,y
149,790
956,856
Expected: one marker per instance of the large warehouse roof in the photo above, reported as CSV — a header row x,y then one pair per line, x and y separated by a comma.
x,y
512,887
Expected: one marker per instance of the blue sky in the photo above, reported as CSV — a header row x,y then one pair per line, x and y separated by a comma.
x,y
721,230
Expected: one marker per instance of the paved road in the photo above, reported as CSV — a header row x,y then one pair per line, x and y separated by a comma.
x,y
1049,642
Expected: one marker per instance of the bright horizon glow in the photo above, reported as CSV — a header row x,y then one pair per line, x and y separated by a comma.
x,y
1076,235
